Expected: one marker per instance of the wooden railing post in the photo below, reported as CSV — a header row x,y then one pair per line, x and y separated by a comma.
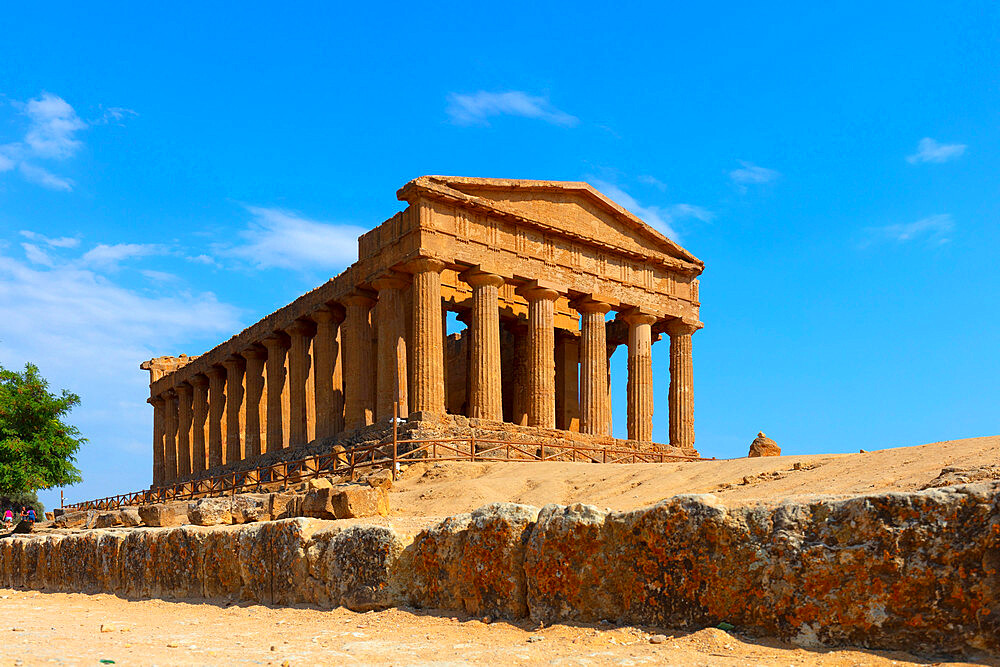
x,y
395,438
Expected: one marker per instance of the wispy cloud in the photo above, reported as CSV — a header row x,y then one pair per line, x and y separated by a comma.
x,y
477,108
752,174
61,242
110,256
277,238
662,218
929,150
54,124
934,230
652,180
44,177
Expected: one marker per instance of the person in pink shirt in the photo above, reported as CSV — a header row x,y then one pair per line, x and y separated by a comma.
x,y
8,518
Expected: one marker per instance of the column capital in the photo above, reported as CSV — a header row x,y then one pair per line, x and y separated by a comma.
x,y
255,351
169,394
183,389
156,401
636,316
589,303
198,380
233,361
682,327
330,313
476,277
276,341
390,280
362,298
301,328
423,264
535,290
216,372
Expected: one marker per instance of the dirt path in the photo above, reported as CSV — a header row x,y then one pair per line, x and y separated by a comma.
x,y
65,628
454,487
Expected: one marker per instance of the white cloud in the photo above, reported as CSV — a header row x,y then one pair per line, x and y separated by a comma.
x,y
109,256
6,163
44,177
660,218
61,242
652,180
929,150
36,255
477,108
88,334
751,174
277,238
160,276
53,125
116,115
934,229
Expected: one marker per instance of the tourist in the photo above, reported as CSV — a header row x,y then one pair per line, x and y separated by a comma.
x,y
30,516
8,518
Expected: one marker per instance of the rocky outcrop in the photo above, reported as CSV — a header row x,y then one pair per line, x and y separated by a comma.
x,y
763,446
914,571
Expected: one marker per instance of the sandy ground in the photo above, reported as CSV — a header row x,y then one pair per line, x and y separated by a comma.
x,y
437,490
66,628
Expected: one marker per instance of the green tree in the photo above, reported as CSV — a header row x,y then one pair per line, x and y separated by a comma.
x,y
36,447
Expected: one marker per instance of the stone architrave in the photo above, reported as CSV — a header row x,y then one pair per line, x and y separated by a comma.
x,y
681,384
541,356
358,361
485,383
277,391
184,393
158,430
427,394
327,376
255,401
199,423
170,436
299,366
217,417
391,333
595,410
640,375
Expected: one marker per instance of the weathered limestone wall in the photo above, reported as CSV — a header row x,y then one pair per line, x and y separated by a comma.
x,y
915,571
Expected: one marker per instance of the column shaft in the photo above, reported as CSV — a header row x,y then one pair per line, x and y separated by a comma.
x,y
358,361
681,384
158,430
299,367
199,424
235,369
277,392
184,391
595,415
541,357
392,385
428,337
253,401
640,377
170,437
329,406
216,415
486,392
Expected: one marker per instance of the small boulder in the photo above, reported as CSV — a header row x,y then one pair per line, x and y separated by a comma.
x,y
108,519
71,520
345,501
164,514
285,505
250,507
318,483
49,516
381,479
211,511
763,446
130,517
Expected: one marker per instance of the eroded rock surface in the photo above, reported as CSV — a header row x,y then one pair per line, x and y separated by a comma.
x,y
763,446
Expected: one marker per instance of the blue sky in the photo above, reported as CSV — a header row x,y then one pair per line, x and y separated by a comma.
x,y
167,178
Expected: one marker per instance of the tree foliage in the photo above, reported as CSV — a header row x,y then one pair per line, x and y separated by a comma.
x,y
37,447
16,501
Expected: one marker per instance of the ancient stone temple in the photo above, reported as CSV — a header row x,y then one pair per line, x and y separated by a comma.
x,y
534,269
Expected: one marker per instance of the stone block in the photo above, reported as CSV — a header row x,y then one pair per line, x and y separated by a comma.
x,y
380,479
211,511
108,519
164,514
71,520
354,567
285,505
345,501
247,508
763,446
130,517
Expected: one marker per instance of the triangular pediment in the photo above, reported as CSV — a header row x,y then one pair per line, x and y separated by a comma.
x,y
574,208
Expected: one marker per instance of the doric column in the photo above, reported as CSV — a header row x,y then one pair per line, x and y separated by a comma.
x,y
640,376
486,394
199,423
158,430
299,366
216,415
541,356
681,384
253,412
595,412
358,361
567,358
235,369
391,331
329,406
428,336
183,429
170,436
277,391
